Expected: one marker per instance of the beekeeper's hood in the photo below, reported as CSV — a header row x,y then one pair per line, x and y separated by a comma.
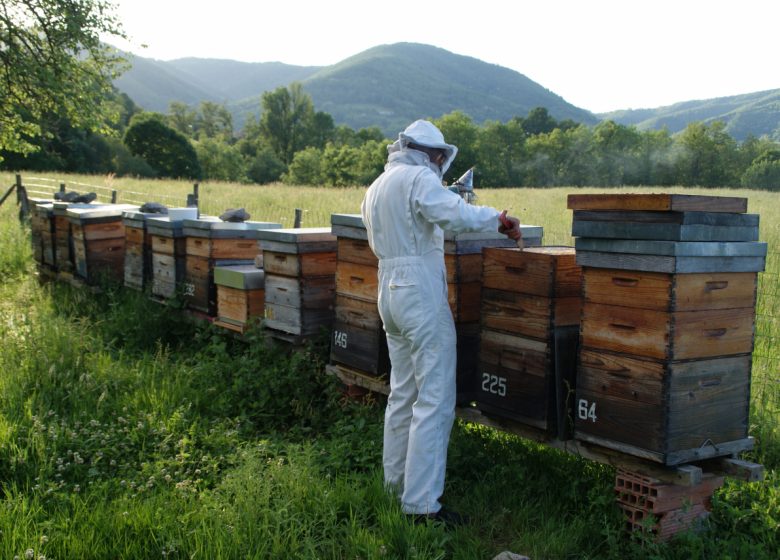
x,y
424,133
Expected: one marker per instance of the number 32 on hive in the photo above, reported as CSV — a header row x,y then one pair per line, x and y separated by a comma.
x,y
494,384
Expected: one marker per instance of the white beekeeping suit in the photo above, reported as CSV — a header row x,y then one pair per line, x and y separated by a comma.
x,y
404,211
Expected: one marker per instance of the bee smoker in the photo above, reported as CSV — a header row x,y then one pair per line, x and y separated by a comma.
x,y
464,186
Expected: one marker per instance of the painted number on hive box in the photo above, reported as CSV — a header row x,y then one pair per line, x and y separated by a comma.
x,y
586,410
340,339
494,384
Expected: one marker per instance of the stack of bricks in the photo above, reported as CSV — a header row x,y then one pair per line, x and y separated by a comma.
x,y
666,336
663,509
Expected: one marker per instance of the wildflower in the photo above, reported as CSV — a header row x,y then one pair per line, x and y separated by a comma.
x,y
29,554
44,539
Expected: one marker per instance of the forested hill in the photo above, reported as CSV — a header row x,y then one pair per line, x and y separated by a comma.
x,y
753,113
385,86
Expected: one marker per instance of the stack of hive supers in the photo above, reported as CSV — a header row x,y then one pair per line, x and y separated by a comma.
x,y
667,325
138,250
300,281
42,233
531,304
211,242
240,295
358,340
463,261
168,255
98,236
63,242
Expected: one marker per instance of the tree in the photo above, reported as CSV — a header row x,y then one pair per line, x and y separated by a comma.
x,y
166,150
53,62
220,161
214,121
287,120
182,118
709,157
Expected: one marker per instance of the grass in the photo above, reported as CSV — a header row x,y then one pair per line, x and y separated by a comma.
x,y
129,432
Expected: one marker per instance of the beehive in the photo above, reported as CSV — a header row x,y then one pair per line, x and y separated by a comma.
x,y
168,256
240,295
667,325
358,339
138,250
299,280
531,304
98,237
42,232
211,242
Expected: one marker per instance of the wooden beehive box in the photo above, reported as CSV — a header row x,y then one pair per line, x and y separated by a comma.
x,y
358,339
299,279
531,303
240,295
211,242
667,326
63,242
98,235
138,250
463,260
42,226
168,255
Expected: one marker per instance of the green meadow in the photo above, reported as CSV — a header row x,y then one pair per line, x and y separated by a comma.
x,y
129,431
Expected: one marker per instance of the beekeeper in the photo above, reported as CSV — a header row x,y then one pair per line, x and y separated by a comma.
x,y
405,211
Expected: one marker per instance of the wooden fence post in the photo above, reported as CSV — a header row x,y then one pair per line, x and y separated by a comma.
x,y
21,200
62,187
298,215
113,197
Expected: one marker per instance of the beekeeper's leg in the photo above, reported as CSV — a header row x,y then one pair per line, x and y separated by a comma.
x,y
398,413
434,355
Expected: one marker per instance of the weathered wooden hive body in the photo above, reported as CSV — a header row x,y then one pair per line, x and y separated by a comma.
x,y
98,241
531,305
168,255
138,249
300,280
240,295
668,323
211,242
42,234
358,339
463,254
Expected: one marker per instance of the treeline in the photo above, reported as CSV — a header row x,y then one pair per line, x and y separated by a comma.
x,y
293,143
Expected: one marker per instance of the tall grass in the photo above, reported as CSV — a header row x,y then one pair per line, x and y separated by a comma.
x,y
127,431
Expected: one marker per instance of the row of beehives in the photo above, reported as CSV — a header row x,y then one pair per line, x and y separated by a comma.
x,y
639,341
642,344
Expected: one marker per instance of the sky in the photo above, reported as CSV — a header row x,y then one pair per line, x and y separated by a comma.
x,y
600,55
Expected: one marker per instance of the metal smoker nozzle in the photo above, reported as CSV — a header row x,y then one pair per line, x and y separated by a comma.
x,y
464,186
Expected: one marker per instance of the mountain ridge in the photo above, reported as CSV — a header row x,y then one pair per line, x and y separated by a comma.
x,y
390,85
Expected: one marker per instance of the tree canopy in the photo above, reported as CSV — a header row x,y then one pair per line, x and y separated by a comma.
x,y
52,62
